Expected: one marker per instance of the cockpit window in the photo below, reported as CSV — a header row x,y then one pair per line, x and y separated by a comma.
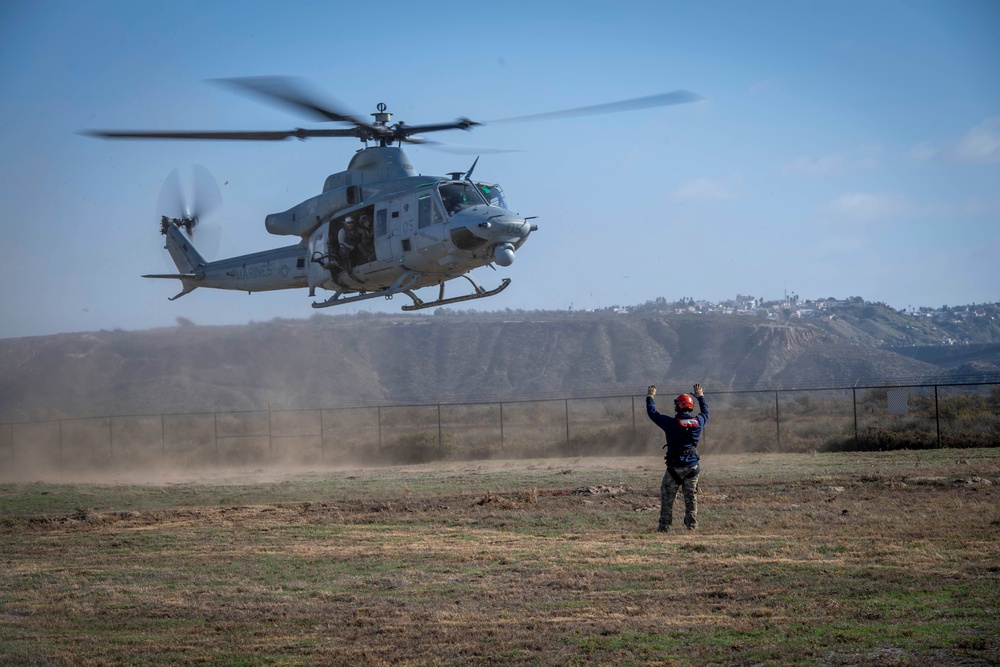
x,y
493,194
457,195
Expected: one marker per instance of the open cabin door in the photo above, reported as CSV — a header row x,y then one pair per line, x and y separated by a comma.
x,y
319,257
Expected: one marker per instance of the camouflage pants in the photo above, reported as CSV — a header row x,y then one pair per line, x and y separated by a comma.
x,y
668,492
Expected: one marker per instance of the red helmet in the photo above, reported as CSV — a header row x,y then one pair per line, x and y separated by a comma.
x,y
684,402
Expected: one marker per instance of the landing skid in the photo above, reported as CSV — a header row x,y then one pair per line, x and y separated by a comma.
x,y
404,285
479,293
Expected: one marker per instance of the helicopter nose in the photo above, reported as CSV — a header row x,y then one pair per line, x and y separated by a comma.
x,y
495,230
508,227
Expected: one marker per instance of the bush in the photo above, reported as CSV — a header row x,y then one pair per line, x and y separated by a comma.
x,y
421,447
880,439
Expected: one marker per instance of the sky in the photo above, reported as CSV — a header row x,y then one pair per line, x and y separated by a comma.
x,y
842,149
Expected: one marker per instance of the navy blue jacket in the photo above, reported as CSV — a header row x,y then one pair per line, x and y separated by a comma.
x,y
683,432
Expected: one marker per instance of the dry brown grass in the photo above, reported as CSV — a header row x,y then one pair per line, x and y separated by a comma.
x,y
799,559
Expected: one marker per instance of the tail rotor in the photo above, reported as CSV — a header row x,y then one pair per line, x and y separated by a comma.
x,y
186,202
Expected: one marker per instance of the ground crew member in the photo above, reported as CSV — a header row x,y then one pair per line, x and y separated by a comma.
x,y
683,432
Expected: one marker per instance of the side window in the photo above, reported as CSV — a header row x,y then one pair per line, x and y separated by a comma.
x,y
457,196
424,211
381,226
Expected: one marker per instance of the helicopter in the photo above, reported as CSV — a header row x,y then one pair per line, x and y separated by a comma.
x,y
378,228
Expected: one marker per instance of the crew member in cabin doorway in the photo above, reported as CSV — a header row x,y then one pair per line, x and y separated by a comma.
x,y
348,239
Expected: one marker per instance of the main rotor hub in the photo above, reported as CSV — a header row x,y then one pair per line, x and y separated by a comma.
x,y
382,118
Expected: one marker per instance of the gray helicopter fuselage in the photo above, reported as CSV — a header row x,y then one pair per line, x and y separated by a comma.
x,y
412,228
420,231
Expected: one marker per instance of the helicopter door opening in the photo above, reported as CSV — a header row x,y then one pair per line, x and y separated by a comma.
x,y
351,238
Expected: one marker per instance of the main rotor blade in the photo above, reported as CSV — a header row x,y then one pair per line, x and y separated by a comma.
x,y
661,100
402,130
462,150
287,92
297,133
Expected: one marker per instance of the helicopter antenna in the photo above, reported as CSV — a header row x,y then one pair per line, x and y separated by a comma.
x,y
468,174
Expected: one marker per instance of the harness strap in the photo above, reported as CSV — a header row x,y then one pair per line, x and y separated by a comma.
x,y
677,478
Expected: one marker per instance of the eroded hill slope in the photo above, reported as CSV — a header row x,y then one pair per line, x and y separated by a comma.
x,y
351,360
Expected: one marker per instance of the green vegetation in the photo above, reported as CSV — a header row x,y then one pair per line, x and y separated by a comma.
x,y
810,559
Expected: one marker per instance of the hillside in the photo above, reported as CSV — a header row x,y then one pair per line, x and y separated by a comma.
x,y
366,359
881,326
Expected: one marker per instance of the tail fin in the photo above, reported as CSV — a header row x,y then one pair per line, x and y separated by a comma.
x,y
187,259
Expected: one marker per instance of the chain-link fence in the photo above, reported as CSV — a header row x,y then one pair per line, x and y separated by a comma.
x,y
791,420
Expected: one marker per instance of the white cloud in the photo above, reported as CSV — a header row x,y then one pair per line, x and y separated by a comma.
x,y
708,189
831,165
980,145
874,207
980,207
923,152
868,207
823,166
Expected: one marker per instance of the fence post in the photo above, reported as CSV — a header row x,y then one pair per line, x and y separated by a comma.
x,y
61,457
633,415
501,427
854,399
270,438
777,418
111,437
380,427
440,437
567,421
937,416
322,437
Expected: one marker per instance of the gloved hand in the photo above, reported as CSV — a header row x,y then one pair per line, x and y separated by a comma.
x,y
698,391
650,391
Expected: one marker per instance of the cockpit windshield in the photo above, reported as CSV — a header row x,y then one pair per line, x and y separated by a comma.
x,y
459,195
493,194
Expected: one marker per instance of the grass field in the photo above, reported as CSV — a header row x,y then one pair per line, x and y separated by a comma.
x,y
814,559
